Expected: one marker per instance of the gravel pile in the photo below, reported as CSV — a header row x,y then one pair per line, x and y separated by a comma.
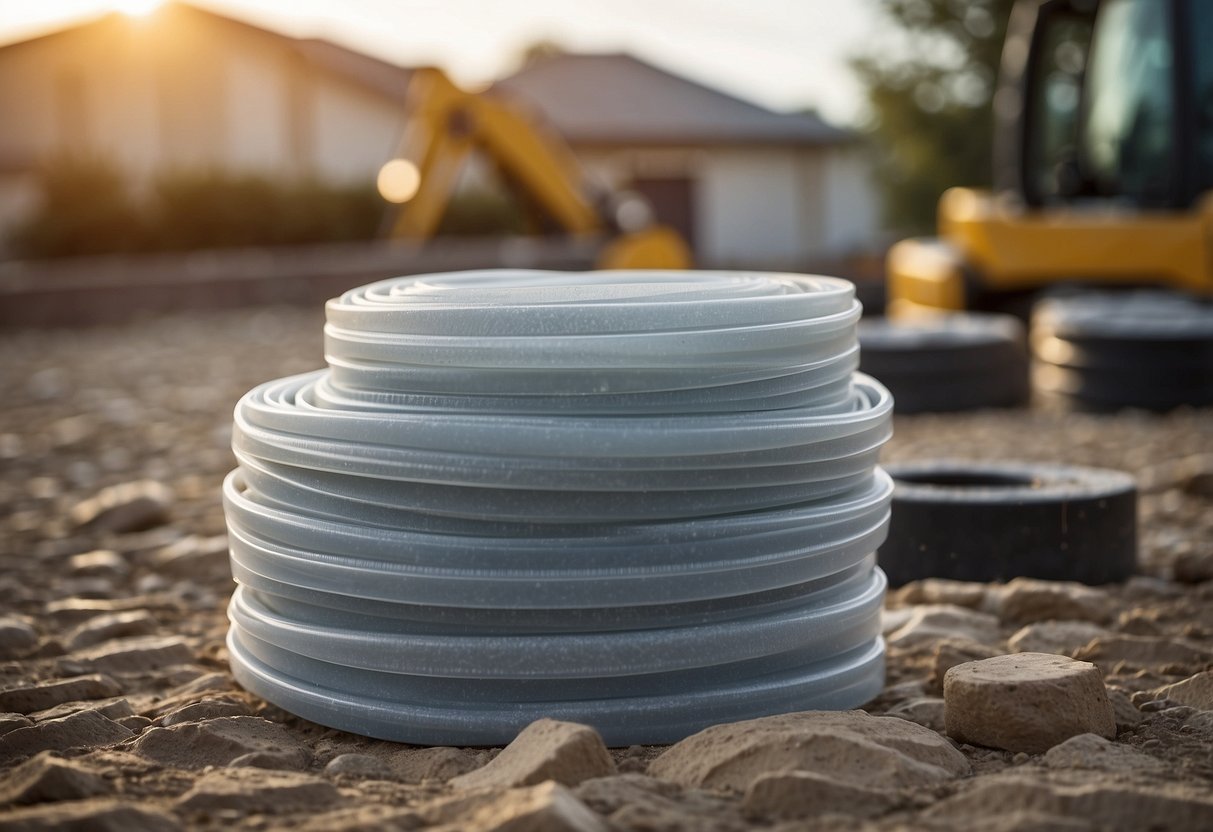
x,y
117,709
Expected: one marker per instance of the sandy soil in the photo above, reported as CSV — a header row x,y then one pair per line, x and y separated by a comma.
x,y
155,734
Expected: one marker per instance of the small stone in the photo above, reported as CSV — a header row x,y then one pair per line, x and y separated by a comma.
x,y
1195,691
111,626
1025,702
413,765
295,759
1095,752
130,507
135,723
545,750
1062,637
950,652
134,655
106,815
83,729
71,611
1145,652
547,807
926,711
930,623
357,765
27,700
1193,567
193,556
941,591
11,722
206,709
1028,600
794,795
116,708
100,563
17,637
1070,795
215,742
1127,715
257,790
850,746
46,778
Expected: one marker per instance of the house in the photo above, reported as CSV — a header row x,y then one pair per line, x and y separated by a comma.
x,y
188,87
747,186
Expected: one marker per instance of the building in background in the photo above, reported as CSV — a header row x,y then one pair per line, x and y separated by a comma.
x,y
747,186
189,88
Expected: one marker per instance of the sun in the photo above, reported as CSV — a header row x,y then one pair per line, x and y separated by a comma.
x,y
137,8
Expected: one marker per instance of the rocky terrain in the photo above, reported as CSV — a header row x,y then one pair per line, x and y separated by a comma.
x,y
1066,708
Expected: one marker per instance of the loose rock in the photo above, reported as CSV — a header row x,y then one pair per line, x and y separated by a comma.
x,y
1195,691
926,711
130,507
26,700
214,742
357,765
17,637
46,778
950,652
1095,752
206,709
105,815
1025,702
257,790
941,591
1145,652
932,622
545,750
83,729
134,655
548,807
1028,600
1079,795
1062,637
100,563
793,795
111,626
850,746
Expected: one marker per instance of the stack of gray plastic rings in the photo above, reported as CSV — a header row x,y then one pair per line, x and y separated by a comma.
x,y
648,502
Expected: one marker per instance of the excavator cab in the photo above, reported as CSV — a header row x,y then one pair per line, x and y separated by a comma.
x,y
446,124
1103,163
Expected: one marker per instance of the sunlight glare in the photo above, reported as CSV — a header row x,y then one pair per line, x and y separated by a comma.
x,y
137,8
399,180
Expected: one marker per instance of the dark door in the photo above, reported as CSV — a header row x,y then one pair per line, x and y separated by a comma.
x,y
673,202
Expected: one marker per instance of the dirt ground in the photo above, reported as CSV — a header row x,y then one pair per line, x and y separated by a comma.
x,y
154,733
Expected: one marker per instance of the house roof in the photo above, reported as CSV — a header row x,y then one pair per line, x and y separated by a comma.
x,y
379,76
619,99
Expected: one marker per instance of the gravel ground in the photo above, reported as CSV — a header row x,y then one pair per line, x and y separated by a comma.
x,y
154,733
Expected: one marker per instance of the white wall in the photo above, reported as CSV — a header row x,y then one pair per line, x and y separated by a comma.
x,y
852,222
353,131
762,207
750,211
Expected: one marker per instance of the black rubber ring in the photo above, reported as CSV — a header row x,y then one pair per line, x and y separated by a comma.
x,y
993,521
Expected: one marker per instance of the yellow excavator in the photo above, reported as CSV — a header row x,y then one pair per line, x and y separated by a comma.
x,y
445,125
1103,163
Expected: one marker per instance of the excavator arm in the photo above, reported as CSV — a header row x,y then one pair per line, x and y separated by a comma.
x,y
445,124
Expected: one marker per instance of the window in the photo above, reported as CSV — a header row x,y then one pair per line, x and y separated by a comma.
x,y
1128,125
1200,29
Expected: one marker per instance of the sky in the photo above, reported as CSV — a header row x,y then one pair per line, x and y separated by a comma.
x,y
784,54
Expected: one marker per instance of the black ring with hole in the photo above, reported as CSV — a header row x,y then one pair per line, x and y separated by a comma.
x,y
993,521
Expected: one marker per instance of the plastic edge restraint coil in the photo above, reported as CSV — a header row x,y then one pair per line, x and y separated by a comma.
x,y
646,501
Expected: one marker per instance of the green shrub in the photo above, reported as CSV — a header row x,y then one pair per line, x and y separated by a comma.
x,y
85,207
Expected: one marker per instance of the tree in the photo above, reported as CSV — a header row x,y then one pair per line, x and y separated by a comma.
x,y
931,120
